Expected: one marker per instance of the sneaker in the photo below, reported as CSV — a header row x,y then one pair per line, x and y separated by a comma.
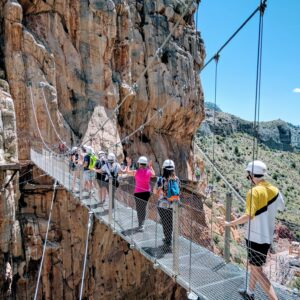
x,y
167,248
141,228
247,295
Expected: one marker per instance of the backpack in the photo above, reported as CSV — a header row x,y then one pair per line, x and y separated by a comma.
x,y
197,172
93,160
112,172
173,190
172,194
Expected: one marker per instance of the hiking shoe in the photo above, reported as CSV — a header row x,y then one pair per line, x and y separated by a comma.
x,y
167,248
141,228
247,295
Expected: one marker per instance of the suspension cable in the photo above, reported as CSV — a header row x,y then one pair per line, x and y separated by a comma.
x,y
42,85
134,87
45,242
89,225
213,176
259,8
256,117
142,126
259,63
36,120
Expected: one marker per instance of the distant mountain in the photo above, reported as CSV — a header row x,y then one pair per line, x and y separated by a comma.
x,y
279,148
277,134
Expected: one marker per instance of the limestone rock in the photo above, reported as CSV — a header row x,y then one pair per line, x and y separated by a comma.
x,y
114,271
90,54
76,61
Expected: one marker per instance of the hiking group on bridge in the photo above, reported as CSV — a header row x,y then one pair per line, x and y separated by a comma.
x,y
262,201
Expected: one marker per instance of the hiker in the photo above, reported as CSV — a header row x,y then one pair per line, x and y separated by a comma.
x,y
167,189
62,147
142,187
74,165
89,162
101,161
262,202
111,168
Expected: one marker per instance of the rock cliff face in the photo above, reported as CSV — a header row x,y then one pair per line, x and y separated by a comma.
x,y
88,55
75,60
275,134
10,236
114,271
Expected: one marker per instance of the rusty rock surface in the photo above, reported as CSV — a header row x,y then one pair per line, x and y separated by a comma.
x,y
85,57
114,271
75,61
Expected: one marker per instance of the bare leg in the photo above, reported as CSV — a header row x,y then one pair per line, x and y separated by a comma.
x,y
253,278
103,194
74,180
264,282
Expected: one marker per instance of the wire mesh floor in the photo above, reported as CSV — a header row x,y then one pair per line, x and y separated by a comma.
x,y
199,269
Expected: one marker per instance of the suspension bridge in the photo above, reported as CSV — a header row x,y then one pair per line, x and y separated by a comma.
x,y
193,262
195,267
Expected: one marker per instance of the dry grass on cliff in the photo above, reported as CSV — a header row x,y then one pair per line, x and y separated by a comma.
x,y
232,154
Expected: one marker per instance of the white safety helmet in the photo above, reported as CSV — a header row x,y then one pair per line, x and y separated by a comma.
x,y
74,149
257,167
85,148
89,150
101,153
111,157
168,164
143,160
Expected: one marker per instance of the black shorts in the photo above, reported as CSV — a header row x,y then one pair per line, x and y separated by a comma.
x,y
257,253
102,183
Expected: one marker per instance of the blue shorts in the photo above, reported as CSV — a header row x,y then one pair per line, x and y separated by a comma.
x,y
88,175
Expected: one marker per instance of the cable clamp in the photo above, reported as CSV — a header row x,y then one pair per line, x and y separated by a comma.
x,y
217,57
262,7
160,112
159,52
134,88
42,84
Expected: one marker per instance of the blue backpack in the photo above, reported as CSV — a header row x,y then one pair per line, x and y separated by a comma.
x,y
173,190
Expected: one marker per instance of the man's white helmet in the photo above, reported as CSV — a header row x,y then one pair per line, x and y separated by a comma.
x,y
143,160
257,167
101,153
168,164
111,157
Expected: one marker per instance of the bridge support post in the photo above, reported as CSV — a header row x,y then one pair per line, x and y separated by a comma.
x,y
52,159
227,228
44,158
66,173
110,203
80,183
175,249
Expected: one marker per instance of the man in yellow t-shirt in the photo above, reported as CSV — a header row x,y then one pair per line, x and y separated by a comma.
x,y
262,202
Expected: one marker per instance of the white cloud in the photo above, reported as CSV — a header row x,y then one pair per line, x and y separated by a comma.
x,y
296,90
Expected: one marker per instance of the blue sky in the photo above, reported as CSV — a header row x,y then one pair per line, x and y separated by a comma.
x,y
217,20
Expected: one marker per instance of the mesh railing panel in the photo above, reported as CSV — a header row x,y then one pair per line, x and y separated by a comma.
x,y
184,240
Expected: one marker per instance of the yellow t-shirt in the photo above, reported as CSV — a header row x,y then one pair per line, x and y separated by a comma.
x,y
262,194
261,205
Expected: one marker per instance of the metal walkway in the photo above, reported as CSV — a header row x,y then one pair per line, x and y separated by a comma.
x,y
193,266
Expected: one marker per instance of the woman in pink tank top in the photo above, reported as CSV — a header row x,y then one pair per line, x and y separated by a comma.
x,y
142,188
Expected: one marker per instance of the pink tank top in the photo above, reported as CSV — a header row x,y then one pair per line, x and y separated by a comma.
x,y
142,181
